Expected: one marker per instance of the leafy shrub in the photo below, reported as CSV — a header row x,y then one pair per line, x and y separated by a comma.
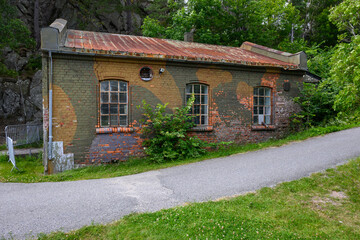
x,y
317,103
166,136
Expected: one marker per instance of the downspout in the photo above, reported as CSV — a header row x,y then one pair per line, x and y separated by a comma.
x,y
50,105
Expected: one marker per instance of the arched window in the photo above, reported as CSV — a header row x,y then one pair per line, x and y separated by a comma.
x,y
262,106
113,103
200,108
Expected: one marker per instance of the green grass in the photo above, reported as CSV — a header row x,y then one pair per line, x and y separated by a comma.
x,y
323,206
30,145
3,147
32,171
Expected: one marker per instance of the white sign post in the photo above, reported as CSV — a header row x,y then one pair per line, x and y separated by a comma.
x,y
10,145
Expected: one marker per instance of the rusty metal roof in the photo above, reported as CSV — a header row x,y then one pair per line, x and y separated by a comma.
x,y
118,44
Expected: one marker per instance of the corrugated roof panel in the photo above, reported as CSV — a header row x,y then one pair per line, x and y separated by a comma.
x,y
164,48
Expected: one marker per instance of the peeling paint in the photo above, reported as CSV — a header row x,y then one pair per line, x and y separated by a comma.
x,y
61,162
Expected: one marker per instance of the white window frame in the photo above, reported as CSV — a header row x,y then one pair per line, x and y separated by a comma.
x,y
262,106
114,103
200,108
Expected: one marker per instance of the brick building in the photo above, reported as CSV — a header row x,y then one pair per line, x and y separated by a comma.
x,y
93,83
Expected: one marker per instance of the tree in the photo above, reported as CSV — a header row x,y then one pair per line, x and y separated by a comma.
x,y
316,27
345,72
162,10
346,16
228,22
13,32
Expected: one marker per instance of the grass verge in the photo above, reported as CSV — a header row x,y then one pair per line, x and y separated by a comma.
x,y
30,145
323,206
32,170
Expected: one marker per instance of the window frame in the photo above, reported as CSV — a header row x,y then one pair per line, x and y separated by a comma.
x,y
200,104
119,91
257,107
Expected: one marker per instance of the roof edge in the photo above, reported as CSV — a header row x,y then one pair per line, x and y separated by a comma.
x,y
105,54
52,36
299,58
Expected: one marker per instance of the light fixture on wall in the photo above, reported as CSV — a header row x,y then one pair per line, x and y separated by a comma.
x,y
161,70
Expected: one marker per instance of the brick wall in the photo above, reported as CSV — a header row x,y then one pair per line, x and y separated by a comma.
x,y
76,102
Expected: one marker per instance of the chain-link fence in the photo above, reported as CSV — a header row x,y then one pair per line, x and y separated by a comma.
x,y
24,134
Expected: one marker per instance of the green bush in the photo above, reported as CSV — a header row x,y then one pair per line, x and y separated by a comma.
x,y
165,134
316,102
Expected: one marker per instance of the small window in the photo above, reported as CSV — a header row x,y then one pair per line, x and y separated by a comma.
x,y
113,103
200,107
262,106
146,74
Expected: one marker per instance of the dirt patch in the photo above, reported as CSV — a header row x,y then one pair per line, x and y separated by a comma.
x,y
333,199
338,195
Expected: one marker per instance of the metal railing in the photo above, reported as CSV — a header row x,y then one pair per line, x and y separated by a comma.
x,y
24,134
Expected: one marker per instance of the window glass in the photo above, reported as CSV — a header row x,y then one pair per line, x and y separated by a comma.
x,y
200,107
113,103
105,86
114,97
262,106
114,86
104,97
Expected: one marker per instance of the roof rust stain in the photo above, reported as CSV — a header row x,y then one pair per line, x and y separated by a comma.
x,y
126,45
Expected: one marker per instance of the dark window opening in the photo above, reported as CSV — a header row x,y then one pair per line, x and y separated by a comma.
x,y
146,73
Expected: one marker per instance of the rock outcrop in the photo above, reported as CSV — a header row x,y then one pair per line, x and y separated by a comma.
x,y
122,16
21,97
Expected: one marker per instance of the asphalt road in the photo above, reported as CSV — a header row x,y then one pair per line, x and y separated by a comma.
x,y
29,209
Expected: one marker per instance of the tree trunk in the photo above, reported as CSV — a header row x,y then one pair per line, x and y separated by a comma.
x,y
129,17
36,23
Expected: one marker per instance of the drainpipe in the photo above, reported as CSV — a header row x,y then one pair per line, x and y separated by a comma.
x,y
50,105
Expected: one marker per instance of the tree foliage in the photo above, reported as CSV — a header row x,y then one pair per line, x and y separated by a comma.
x,y
229,22
316,27
340,69
346,16
345,73
13,32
